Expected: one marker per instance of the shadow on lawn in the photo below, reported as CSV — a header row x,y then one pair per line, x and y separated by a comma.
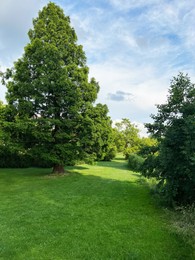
x,y
14,173
114,164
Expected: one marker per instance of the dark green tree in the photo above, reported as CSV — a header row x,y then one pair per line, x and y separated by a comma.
x,y
103,146
174,127
48,93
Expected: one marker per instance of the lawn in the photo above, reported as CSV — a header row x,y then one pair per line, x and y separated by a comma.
x,y
101,212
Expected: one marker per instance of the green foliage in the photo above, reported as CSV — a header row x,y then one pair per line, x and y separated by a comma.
x,y
147,146
12,158
111,152
118,139
174,127
149,150
127,138
143,157
103,146
130,150
10,154
49,96
135,162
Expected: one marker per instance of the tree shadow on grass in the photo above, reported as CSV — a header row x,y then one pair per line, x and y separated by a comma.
x,y
119,158
117,163
113,164
34,171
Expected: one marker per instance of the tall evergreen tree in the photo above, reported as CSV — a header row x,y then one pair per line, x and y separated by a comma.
x,y
49,94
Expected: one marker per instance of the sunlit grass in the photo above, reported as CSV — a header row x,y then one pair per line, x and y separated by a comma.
x,y
95,212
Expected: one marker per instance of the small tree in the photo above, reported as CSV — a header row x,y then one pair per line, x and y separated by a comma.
x,y
48,92
174,127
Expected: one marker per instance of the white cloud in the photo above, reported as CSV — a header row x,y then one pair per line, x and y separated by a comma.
x,y
127,4
120,96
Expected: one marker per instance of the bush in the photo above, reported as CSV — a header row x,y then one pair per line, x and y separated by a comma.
x,y
135,162
111,154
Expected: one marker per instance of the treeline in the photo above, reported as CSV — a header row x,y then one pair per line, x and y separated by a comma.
x,y
171,157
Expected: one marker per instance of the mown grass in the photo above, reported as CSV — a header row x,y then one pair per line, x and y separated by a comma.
x,y
95,212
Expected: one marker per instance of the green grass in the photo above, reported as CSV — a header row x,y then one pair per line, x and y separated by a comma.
x,y
95,212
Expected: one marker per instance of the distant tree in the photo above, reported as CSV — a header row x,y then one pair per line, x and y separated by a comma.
x,y
174,128
49,95
118,139
127,137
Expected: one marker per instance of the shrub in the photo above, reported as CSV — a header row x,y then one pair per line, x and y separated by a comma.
x,y
111,154
135,162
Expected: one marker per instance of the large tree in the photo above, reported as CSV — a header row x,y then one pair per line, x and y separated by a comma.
x,y
49,94
174,127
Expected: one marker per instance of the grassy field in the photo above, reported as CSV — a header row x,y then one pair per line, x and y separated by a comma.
x,y
95,212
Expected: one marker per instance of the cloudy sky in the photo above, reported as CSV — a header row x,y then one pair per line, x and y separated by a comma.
x,y
133,47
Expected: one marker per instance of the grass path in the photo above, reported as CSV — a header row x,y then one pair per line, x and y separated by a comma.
x,y
96,212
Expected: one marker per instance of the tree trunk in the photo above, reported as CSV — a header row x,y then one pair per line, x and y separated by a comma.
x,y
57,169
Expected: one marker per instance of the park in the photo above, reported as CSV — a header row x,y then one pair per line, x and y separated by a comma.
x,y
73,185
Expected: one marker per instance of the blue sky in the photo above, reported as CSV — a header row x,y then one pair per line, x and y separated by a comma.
x,y
133,47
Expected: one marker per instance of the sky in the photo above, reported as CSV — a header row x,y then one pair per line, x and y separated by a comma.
x,y
133,47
